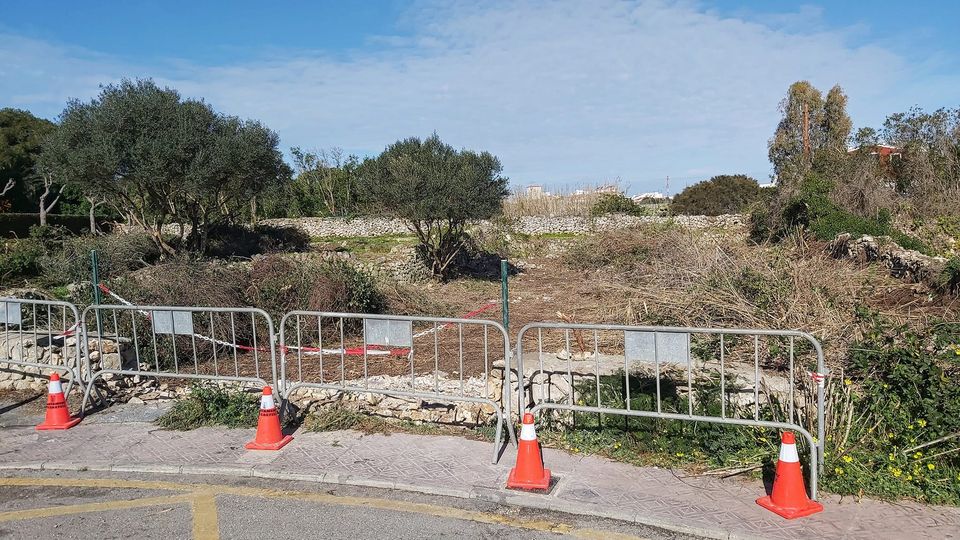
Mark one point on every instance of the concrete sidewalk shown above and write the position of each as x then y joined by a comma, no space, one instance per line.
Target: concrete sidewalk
459,467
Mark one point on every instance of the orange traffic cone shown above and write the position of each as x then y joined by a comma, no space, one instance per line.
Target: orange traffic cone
789,497
529,472
269,436
58,415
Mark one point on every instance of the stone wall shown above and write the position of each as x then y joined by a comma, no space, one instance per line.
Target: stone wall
374,226
56,351
901,263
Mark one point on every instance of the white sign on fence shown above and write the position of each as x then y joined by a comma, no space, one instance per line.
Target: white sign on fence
10,313
388,332
671,348
172,322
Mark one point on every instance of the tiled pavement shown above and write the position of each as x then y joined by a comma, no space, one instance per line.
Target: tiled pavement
461,467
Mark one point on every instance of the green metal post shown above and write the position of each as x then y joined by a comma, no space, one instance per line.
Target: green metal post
95,277
504,293
95,274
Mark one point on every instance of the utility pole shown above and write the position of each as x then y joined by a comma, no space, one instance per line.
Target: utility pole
667,187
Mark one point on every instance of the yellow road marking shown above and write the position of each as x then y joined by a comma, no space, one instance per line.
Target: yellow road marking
205,525
203,504
92,507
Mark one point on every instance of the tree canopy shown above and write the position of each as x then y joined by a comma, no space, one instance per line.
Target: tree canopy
436,190
159,159
21,136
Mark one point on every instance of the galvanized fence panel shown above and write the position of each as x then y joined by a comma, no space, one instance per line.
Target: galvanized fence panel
178,342
40,334
346,352
593,368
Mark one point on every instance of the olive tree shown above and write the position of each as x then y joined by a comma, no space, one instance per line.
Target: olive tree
159,159
437,190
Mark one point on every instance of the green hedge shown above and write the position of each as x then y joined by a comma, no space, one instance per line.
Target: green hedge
18,225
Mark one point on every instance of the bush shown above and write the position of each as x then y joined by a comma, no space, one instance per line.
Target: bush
185,283
19,259
117,255
722,194
210,405
616,203
279,284
814,209
228,241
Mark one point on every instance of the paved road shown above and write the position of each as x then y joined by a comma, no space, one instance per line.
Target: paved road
113,505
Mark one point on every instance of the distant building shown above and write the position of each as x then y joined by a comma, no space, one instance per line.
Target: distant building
535,190
651,196
609,188
885,153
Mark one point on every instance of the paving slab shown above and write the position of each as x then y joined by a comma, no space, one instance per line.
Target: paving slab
454,466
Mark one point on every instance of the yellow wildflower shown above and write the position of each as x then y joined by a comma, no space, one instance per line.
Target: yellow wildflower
889,435
931,466
896,472
839,471
679,454
918,455
847,459
892,457
909,477
922,423
910,426
885,385
847,382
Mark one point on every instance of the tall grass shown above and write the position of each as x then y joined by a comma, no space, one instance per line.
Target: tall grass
561,204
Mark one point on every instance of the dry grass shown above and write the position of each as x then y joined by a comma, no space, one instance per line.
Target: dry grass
698,278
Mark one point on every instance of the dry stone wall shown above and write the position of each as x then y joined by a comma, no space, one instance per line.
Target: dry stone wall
376,226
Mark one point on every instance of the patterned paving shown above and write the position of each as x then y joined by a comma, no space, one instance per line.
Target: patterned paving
450,464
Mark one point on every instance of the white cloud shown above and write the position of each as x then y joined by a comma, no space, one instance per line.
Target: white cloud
562,92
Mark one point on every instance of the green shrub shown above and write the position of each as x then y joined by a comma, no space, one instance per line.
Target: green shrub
210,405
814,209
902,387
724,194
19,259
616,203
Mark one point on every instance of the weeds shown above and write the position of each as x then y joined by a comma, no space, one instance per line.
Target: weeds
338,418
210,405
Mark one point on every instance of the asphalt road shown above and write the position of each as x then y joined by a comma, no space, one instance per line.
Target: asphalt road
110,505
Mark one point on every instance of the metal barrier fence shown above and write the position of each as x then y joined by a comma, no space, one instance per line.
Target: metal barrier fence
598,366
334,351
37,334
206,343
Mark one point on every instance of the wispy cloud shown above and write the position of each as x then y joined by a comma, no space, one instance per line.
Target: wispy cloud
562,92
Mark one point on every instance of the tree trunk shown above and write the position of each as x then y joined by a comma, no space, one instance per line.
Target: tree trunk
94,203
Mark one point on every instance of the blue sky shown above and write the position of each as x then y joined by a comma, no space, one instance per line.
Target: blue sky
567,93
